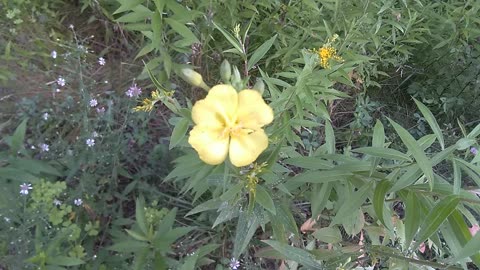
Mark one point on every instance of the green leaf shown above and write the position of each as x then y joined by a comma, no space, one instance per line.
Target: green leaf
18,137
127,5
179,132
381,152
246,227
427,114
329,235
312,163
379,199
412,145
208,205
167,222
457,177
230,38
140,214
329,138
465,143
264,199
474,133
138,14
260,52
128,246
295,254
437,215
353,203
64,261
321,176
460,229
471,248
138,236
319,198
181,29
34,166
412,217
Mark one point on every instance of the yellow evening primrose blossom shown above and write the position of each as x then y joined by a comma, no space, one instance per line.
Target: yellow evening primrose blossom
227,122
327,52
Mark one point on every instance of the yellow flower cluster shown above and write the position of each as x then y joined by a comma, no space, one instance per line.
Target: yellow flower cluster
230,123
327,52
148,103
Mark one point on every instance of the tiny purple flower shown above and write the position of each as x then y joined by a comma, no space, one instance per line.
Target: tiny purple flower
90,142
234,264
134,91
474,151
54,54
61,81
95,134
44,147
24,188
93,102
78,202
101,61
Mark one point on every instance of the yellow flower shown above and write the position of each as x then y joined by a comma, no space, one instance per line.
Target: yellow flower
149,103
227,122
327,52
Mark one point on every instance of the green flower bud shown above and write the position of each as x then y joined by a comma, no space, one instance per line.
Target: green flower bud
225,71
194,78
237,79
259,86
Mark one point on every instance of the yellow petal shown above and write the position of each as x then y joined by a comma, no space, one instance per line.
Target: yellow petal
218,108
253,112
245,148
210,144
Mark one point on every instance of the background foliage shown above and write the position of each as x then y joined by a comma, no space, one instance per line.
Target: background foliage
372,161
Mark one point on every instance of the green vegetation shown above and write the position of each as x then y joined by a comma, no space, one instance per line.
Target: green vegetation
115,134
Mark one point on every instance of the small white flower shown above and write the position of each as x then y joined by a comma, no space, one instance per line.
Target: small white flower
6,219
90,142
78,202
71,26
101,61
57,202
54,54
57,90
101,110
95,134
61,81
24,188
234,264
45,116
44,147
93,102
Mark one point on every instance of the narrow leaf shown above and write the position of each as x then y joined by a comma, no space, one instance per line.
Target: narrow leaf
379,198
412,145
438,214
178,133
412,217
385,153
329,235
295,254
264,199
432,122
260,52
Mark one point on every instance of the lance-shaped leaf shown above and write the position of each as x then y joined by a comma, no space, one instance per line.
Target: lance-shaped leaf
432,122
413,146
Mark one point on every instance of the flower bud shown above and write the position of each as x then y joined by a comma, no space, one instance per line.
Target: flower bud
194,78
225,71
259,86
237,79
